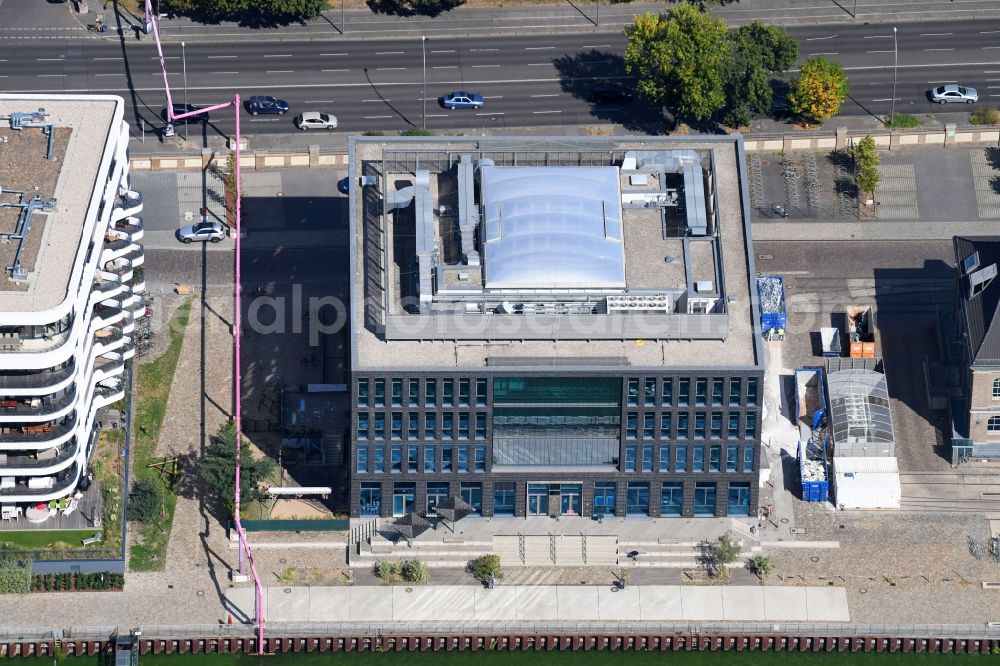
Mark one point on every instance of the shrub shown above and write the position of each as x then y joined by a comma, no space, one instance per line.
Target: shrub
145,502
413,130
987,116
866,158
15,576
902,121
485,567
415,571
387,570
761,565
721,552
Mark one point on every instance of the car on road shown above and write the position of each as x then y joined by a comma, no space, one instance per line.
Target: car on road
266,104
211,231
316,120
344,185
462,100
953,92
610,93
184,108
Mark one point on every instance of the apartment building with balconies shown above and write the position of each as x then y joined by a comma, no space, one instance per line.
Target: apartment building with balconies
70,241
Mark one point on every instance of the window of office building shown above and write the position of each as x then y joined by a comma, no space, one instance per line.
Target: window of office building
412,427
472,494
480,453
716,425
637,498
700,391
430,426
362,393
379,425
397,425
463,392
996,389
447,426
404,498
463,458
682,425
430,453
447,456
503,497
411,458
630,454
699,425
649,393
362,425
437,492
748,458
463,425
714,458
480,425
447,393
666,420
362,466
993,424
414,393
396,458
751,391
699,459
668,392
430,392
397,392
733,427
380,393
735,390
664,457
538,499
739,499
732,457
632,425
633,391
647,458
681,458
371,499
648,425
481,393
704,499
683,392
751,425
672,498
379,459
717,386
604,498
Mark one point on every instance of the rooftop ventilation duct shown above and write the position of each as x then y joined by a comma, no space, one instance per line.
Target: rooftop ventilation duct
468,213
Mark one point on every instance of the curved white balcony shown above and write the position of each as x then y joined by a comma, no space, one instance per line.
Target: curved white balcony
38,436
41,463
105,395
62,484
139,287
38,408
105,368
108,340
14,384
128,204
130,229
105,316
114,249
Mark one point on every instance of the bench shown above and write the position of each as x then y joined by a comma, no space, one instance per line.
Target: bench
94,539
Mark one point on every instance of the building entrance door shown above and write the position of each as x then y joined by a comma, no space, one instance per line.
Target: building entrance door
538,499
570,499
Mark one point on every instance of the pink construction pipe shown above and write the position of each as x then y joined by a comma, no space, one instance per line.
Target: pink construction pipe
244,548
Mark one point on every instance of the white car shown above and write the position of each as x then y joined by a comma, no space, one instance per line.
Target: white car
316,120
203,231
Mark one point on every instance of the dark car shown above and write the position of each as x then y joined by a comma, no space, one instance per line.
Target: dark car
344,185
610,93
267,104
462,100
184,108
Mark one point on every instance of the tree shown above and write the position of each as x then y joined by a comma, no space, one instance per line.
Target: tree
218,469
678,58
820,89
146,501
486,568
761,565
866,160
758,52
721,552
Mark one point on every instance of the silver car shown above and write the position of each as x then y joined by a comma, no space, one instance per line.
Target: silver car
203,231
317,120
953,92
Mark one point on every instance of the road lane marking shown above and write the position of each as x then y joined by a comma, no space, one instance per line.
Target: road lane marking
376,117
482,50
390,52
115,58
279,71
816,39
988,32
319,101
944,49
936,34
884,99
448,51
49,59
481,66
376,100
333,54
539,64
389,69
278,55
824,54
538,48
116,74
436,115
494,113
991,47
219,57
546,111
597,46
889,51
445,67
225,72
49,75
334,70
876,36
548,95
494,97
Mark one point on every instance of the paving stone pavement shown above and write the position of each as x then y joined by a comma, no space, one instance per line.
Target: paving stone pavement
987,181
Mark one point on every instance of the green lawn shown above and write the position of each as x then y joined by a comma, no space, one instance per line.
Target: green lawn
152,391
46,539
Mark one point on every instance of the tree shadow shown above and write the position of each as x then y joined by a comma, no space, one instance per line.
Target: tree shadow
428,8
579,73
254,19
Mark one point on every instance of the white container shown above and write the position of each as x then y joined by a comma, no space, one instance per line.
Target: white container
866,483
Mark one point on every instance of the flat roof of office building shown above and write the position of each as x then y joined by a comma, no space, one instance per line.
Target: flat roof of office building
563,199
51,250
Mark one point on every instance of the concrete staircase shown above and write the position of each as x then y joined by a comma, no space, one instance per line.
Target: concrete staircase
444,553
677,554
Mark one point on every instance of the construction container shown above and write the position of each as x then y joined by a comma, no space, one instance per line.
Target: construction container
830,341
814,475
861,331
810,418
866,483
771,293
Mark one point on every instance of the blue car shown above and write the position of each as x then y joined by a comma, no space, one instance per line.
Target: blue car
267,104
462,100
344,185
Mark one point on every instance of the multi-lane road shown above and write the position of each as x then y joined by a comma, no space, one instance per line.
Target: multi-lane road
526,80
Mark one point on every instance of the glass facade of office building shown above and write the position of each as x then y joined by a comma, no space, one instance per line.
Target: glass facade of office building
636,444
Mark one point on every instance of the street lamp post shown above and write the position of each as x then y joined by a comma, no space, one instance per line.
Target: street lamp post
343,21
423,90
185,67
895,66
854,14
